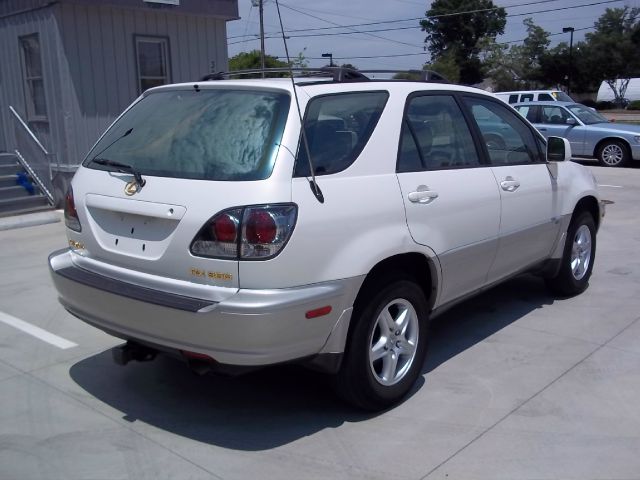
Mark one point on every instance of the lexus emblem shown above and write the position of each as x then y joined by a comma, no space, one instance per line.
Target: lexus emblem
131,187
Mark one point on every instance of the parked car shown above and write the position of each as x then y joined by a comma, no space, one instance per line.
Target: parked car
533,96
206,225
591,135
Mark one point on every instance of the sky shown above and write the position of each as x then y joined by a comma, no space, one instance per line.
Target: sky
401,44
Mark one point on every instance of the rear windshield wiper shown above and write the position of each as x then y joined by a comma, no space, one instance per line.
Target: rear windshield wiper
121,167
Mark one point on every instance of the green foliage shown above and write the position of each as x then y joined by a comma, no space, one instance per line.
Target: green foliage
459,37
517,67
251,61
613,48
635,105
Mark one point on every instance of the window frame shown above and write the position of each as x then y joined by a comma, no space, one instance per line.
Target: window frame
28,80
483,159
158,39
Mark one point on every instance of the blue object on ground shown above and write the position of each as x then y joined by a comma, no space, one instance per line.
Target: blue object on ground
23,180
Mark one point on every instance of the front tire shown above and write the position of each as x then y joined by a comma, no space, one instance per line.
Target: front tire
577,259
386,348
613,153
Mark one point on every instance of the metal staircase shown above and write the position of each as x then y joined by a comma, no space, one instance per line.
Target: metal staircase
19,191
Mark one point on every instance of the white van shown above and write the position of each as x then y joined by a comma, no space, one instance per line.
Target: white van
534,96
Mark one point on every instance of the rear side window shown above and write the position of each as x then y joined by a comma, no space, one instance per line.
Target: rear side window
513,98
211,134
337,128
526,97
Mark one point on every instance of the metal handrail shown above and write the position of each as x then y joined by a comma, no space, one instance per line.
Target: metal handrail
35,177
29,131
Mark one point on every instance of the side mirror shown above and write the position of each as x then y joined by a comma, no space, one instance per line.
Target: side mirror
571,121
558,149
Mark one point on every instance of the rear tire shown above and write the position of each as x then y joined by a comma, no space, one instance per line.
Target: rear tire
386,348
613,153
577,259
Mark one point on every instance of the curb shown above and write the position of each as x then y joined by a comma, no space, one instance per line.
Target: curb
30,220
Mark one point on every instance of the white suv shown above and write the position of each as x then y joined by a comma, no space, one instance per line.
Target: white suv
196,228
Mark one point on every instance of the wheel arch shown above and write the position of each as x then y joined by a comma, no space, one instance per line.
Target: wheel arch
414,265
588,204
601,142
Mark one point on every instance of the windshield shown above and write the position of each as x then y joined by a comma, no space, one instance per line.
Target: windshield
586,114
211,134
562,97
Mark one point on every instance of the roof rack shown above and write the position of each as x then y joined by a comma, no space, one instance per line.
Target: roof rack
337,74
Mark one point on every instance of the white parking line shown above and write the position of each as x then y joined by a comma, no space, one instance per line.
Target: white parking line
37,332
610,186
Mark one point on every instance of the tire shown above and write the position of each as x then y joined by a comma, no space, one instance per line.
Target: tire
577,259
398,338
613,153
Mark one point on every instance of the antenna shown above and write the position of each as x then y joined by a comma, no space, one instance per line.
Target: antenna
315,188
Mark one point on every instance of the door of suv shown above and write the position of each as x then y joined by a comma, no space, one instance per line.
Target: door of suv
529,193
451,200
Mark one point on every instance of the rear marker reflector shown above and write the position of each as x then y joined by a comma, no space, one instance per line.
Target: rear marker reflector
318,312
196,356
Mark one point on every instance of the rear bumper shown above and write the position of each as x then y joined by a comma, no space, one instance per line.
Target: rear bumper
249,328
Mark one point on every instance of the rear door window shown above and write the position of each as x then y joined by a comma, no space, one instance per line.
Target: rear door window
435,136
337,128
209,134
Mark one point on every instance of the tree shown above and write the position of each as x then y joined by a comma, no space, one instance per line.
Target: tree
457,35
251,61
516,67
613,48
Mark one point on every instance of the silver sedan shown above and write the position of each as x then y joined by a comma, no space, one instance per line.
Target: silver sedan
591,135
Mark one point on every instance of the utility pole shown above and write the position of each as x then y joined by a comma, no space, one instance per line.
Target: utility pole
259,4
566,30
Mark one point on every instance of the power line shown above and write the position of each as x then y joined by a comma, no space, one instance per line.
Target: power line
413,19
342,26
364,57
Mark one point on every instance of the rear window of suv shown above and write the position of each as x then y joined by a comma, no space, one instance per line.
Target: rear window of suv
210,134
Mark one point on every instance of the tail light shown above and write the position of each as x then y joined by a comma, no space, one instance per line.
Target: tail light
71,219
247,233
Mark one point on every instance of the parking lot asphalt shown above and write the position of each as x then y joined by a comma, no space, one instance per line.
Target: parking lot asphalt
517,385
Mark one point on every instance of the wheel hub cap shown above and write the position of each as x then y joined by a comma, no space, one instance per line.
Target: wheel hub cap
581,252
612,154
393,342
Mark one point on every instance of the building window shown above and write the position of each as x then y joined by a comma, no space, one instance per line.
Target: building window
36,104
152,57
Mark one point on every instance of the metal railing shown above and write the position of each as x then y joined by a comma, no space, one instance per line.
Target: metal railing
33,156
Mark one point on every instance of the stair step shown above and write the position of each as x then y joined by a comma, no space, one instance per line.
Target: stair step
9,205
8,181
16,191
25,211
11,168
8,159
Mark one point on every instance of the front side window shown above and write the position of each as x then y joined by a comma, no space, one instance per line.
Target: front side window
435,136
337,128
211,134
508,139
35,100
545,97
554,115
152,58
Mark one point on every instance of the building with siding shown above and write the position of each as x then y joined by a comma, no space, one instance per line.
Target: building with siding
69,67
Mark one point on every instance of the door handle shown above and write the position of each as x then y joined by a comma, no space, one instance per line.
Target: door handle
422,195
509,184
542,129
